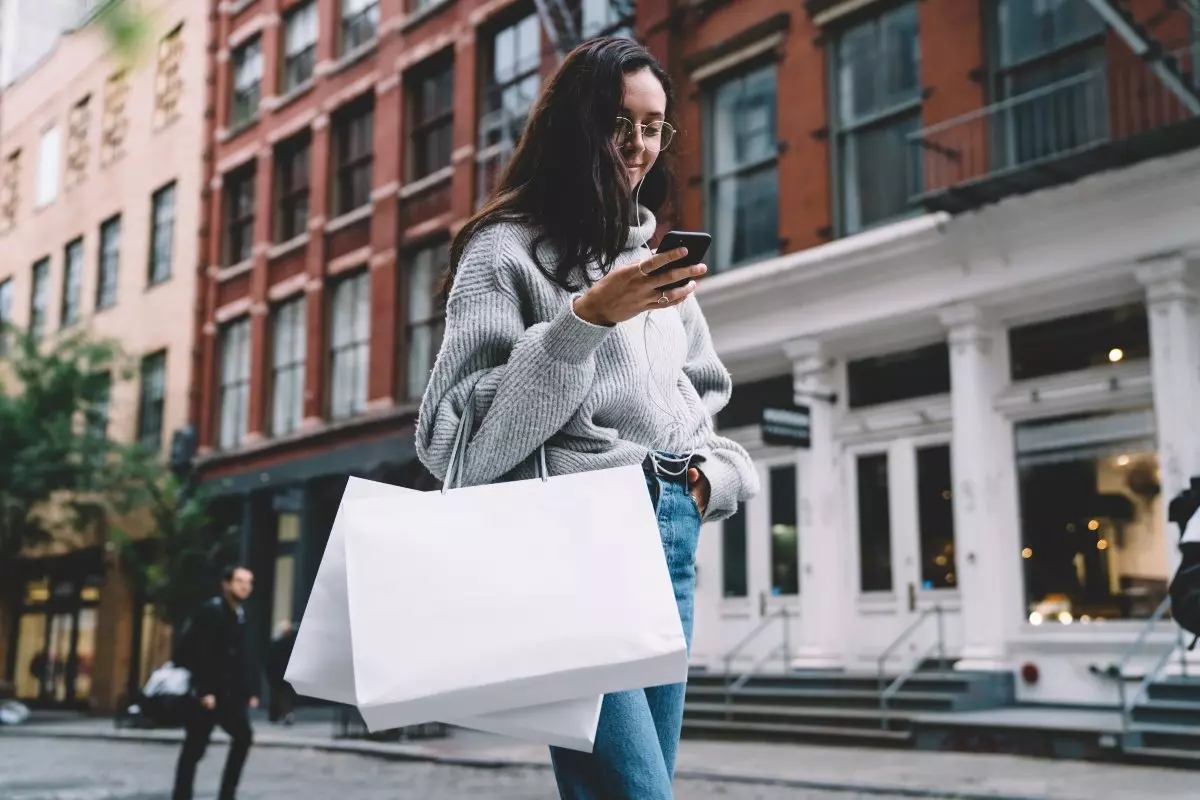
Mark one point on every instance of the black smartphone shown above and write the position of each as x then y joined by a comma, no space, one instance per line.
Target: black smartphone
697,245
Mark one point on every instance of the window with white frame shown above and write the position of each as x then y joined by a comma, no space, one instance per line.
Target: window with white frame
299,46
1094,544
72,283
426,315
878,104
287,366
360,23
162,233
233,399
785,545
110,259
49,156
247,82
735,579
350,341
743,174
607,18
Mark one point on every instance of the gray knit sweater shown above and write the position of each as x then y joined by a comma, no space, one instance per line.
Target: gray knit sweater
597,396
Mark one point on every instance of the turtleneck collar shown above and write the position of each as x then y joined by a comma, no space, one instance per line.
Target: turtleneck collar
641,233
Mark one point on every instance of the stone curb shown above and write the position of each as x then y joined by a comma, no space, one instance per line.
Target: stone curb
419,753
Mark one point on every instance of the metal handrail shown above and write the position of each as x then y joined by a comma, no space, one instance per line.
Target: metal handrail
1117,671
886,690
780,613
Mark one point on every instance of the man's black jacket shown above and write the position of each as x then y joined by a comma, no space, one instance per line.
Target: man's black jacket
1184,510
213,648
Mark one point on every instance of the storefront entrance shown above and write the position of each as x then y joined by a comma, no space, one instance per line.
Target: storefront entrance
55,636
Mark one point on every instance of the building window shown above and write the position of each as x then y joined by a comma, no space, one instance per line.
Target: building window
874,524
432,109
903,375
287,366
1093,538
878,97
350,344
77,143
299,46
426,315
49,155
354,153
511,86
239,214
110,259
360,23
234,390
162,233
97,415
606,18
115,124
6,320
785,547
151,401
935,515
247,82
292,176
10,192
168,80
743,175
72,282
1057,48
734,574
1069,344
39,298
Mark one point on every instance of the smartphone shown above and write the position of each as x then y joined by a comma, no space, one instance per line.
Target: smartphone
697,245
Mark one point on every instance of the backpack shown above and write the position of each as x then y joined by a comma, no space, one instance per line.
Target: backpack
1185,586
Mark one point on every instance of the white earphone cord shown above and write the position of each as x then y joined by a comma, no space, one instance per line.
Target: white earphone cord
663,408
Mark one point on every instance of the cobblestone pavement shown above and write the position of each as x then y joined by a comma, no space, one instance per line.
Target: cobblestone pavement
81,769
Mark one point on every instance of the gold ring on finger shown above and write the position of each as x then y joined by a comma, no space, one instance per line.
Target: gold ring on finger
663,300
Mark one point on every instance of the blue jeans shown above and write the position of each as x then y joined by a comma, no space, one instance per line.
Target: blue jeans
638,734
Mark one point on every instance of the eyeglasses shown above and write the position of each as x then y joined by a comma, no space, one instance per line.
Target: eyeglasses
655,135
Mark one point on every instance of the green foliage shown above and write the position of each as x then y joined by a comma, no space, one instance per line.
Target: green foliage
175,565
48,446
126,27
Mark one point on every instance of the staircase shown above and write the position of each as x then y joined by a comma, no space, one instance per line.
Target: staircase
1165,725
1144,45
835,707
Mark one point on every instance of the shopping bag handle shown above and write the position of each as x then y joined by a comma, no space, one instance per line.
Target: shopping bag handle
458,455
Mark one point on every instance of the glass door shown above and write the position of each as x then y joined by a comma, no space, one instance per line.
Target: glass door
903,516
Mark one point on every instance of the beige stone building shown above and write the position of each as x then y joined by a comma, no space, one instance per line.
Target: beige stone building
100,169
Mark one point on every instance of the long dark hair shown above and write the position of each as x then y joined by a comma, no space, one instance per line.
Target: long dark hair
566,175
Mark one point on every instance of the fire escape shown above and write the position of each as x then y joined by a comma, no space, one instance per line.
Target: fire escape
566,23
1139,104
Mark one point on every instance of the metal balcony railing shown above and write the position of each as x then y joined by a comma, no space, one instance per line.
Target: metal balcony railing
1099,119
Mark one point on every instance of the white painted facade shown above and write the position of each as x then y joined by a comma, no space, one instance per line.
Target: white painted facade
1113,238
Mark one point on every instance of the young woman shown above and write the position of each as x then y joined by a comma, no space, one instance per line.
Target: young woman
558,334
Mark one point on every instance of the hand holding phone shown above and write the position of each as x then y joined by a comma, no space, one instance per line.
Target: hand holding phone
697,245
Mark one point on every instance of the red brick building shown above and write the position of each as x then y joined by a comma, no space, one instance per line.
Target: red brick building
349,139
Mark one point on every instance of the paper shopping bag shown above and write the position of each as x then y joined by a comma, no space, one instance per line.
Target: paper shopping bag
491,598
321,664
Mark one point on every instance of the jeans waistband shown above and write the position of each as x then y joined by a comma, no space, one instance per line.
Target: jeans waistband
669,467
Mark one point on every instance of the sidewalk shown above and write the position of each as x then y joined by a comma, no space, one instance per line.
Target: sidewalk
866,771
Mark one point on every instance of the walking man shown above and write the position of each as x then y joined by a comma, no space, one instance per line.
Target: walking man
213,648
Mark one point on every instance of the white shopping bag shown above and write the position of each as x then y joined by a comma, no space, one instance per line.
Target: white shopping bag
321,665
506,596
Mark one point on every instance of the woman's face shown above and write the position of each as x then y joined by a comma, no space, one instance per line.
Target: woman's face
644,103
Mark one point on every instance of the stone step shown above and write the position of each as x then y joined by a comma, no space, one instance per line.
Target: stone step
827,698
784,732
790,715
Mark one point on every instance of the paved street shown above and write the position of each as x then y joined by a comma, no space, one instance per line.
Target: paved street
81,769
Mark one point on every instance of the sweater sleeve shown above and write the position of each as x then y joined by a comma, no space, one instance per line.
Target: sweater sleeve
524,383
730,472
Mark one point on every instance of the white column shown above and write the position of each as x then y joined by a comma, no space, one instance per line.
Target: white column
986,530
826,593
1173,305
